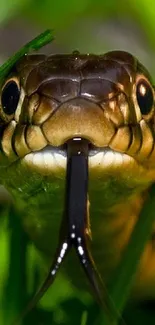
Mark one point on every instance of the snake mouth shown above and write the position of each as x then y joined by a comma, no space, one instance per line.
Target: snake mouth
50,155
93,150
62,150
52,160
96,155
103,162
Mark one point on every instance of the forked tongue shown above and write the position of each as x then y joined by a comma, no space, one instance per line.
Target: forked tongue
75,227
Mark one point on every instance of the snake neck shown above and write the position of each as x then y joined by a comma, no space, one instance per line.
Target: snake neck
112,230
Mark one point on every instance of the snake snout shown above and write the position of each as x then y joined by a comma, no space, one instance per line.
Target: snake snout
78,117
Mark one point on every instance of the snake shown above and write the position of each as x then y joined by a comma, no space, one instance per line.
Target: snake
107,100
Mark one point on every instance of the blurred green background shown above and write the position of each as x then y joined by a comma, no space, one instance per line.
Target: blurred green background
88,26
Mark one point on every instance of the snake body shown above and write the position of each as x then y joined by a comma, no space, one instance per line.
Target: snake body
110,101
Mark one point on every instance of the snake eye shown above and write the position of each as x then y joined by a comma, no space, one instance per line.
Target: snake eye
10,97
145,97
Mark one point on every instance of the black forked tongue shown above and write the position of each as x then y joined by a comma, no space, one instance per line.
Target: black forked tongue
75,227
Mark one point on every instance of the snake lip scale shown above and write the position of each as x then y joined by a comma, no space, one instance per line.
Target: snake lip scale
62,150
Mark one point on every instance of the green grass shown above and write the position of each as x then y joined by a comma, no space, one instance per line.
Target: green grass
34,45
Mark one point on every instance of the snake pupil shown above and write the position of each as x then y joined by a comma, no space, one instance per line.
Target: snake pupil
144,97
10,97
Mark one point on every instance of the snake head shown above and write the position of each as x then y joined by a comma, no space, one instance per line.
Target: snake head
45,101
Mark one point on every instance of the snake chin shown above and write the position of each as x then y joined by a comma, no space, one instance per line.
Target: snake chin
52,157
105,165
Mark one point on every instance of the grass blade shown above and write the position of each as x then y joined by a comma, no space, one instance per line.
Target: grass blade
34,45
15,294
